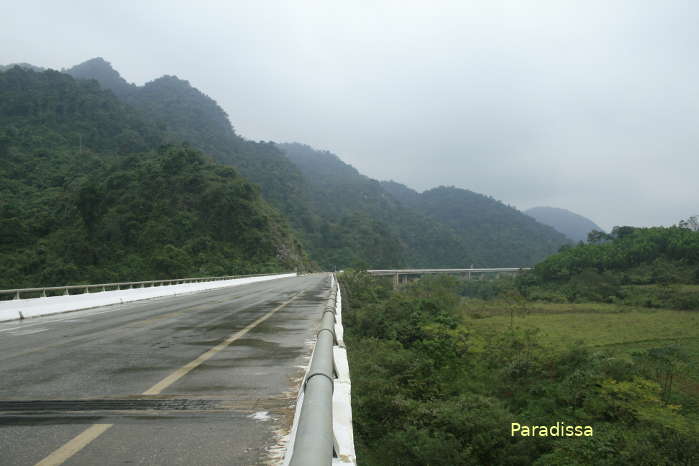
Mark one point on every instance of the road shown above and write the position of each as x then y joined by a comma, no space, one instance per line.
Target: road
203,379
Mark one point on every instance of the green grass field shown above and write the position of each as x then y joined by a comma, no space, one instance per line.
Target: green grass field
619,329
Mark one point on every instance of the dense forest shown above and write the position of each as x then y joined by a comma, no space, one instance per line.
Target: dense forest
91,191
442,367
369,228
187,115
447,227
651,267
493,233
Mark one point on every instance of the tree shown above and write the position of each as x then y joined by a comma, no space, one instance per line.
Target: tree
692,223
597,237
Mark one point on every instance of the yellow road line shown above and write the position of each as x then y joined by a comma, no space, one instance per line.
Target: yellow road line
182,371
79,442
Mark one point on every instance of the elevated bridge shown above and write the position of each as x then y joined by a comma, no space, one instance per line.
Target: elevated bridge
402,275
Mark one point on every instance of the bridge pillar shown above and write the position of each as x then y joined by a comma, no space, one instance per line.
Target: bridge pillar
395,281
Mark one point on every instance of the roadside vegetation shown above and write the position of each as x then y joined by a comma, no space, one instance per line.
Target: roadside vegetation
592,336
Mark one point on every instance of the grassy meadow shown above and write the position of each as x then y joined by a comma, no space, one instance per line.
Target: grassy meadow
616,329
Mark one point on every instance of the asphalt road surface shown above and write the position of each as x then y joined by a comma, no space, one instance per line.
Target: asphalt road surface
204,379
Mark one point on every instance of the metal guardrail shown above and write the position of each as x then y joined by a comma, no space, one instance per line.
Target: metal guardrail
120,286
314,442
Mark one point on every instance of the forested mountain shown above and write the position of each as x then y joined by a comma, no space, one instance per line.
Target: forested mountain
354,238
574,226
186,114
89,192
492,232
26,66
341,217
345,199
100,70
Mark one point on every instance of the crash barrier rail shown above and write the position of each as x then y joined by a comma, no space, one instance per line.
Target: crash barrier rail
313,444
56,290
320,439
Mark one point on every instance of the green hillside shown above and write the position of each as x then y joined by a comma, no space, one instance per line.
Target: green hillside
185,114
493,234
650,267
338,192
88,192
343,218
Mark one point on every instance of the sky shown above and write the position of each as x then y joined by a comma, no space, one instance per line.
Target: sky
592,106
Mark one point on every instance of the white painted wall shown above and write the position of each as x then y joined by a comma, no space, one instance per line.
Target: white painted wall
34,307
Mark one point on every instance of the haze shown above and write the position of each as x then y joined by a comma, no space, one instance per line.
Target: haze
586,105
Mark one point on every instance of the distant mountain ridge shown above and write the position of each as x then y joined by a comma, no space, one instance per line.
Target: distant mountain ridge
447,227
501,234
574,226
26,66
343,217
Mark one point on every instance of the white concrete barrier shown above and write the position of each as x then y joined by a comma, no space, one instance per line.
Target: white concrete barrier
23,308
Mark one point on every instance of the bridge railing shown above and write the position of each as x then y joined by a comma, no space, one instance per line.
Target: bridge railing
17,293
323,428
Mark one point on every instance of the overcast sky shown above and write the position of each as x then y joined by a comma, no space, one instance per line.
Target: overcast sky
587,105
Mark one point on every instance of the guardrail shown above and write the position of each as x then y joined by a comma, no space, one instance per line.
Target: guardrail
313,444
118,286
323,427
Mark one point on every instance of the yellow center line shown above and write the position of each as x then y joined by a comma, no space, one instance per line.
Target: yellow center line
63,453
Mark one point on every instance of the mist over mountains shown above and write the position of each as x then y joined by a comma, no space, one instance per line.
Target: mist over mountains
574,226
312,199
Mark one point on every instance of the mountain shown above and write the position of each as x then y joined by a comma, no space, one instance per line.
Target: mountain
101,70
341,217
349,203
443,227
90,191
26,66
186,114
574,226
493,233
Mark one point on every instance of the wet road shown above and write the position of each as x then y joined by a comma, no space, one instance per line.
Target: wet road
203,379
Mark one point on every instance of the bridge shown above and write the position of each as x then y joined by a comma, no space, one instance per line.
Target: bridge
402,275
227,370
